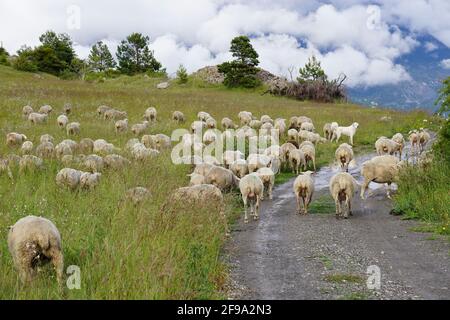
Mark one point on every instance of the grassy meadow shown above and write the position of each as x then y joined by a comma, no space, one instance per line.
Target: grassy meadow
147,252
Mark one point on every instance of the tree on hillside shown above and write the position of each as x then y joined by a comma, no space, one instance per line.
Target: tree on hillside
182,75
134,55
61,44
312,71
242,71
25,60
4,56
100,59
444,97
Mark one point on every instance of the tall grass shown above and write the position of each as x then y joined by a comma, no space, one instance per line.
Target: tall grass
146,252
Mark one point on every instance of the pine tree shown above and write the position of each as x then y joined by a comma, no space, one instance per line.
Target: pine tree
312,71
100,59
134,55
182,75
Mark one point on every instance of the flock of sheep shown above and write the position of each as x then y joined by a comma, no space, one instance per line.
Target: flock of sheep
34,239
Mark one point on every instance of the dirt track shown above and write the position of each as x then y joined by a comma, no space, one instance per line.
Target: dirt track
288,256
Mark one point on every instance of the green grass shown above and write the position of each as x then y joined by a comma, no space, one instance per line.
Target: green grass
344,278
149,252
322,205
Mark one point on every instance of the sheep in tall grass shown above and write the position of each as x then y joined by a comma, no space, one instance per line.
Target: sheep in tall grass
137,195
27,147
140,152
196,179
310,155
86,146
45,150
93,163
211,123
222,178
140,128
211,136
293,123
258,161
280,125
73,129
252,189
62,121
121,126
302,119
255,124
163,142
45,109
198,126
227,123
202,116
102,110
71,160
30,163
229,156
266,127
46,138
179,117
380,169
267,177
90,181
67,108
385,145
33,241
150,114
424,138
304,190
342,189
26,111
293,135
296,160
328,131
37,118
203,195
203,168
398,137
266,119
102,147
4,167
349,131
116,162
344,155
308,126
68,178
62,149
14,139
239,168
114,115
245,117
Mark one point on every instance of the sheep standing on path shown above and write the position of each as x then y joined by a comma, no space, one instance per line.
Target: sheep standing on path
297,160
32,241
424,137
344,154
310,155
342,189
304,190
398,137
267,177
380,169
414,141
252,189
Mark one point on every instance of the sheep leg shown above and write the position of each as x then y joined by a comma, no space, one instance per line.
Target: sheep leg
350,208
347,207
314,163
389,191
244,198
270,191
364,186
336,202
58,264
298,203
258,200
351,139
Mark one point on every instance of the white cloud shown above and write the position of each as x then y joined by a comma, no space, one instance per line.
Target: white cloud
347,35
430,46
445,64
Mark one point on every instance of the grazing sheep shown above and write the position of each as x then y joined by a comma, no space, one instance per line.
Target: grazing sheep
178,116
252,189
197,126
89,180
211,123
37,118
33,241
344,154
211,136
310,155
45,150
267,127
46,138
342,189
280,125
203,195
4,167
255,124
93,163
73,129
115,162
293,134
267,177
304,190
141,153
296,160
62,149
114,115
202,116
102,110
230,156
67,109
245,117
239,168
121,126
308,126
398,137
222,178
203,168
196,179
424,137
285,149
301,120
150,114
315,138
26,111
68,178
62,121
346,131
45,109
386,146
414,140
227,123
86,146
273,151
293,123
140,128
70,160
327,131
103,148
266,119
72,144
258,161
14,139
13,160
137,195
380,169
27,147
30,162
158,141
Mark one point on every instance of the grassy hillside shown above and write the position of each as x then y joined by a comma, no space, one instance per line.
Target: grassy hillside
127,252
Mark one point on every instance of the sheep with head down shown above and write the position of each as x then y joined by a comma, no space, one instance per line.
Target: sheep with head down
267,177
102,110
121,126
344,155
26,111
203,195
73,128
37,118
45,109
86,146
304,190
398,137
116,162
239,167
342,189
137,195
33,241
178,117
14,139
296,160
222,178
30,163
140,128
93,163
102,147
196,179
202,116
252,190
227,123
68,178
89,180
46,138
27,147
62,121
310,155
150,114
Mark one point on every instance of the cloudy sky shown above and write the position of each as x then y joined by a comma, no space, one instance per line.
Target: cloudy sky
362,39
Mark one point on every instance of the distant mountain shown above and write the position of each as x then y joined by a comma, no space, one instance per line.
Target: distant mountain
421,92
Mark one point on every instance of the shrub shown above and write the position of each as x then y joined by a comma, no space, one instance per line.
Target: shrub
182,75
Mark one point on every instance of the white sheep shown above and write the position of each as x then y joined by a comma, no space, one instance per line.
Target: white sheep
30,162
67,109
239,168
380,169
255,124
266,119
14,139
304,190
267,177
230,156
385,145
46,138
115,115
296,160
197,126
178,116
102,147
301,120
37,118
293,123
62,149
308,126
344,155
150,114
121,126
280,125
93,163
26,111
62,121
140,128
27,147
203,168
196,179
45,109
102,109
202,116
222,178
293,135
33,241
414,140
342,189
141,153
89,180
258,161
211,123
115,161
86,146
349,131
398,137
45,150
245,117
227,123
68,178
285,149
252,189
310,155
73,129
203,195
275,165
137,195
424,138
